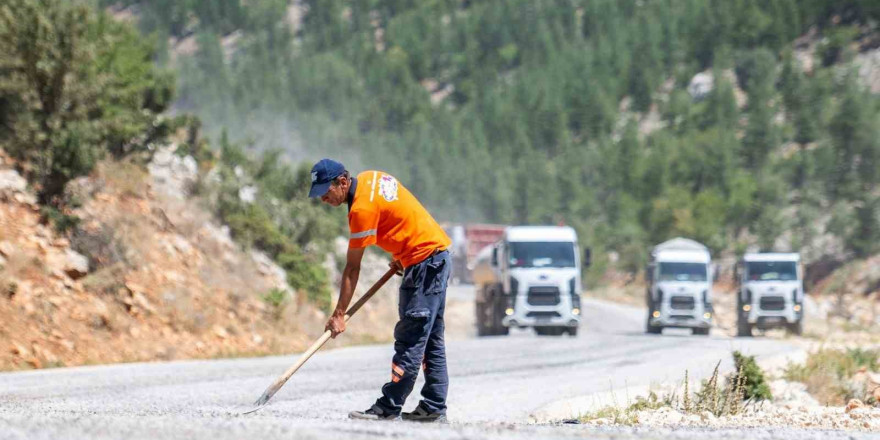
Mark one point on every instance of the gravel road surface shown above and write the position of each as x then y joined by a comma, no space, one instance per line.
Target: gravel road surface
497,384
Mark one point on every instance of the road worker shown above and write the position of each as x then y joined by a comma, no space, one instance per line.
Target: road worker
382,212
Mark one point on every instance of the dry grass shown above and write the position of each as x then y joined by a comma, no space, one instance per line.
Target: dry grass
21,265
827,374
720,398
127,178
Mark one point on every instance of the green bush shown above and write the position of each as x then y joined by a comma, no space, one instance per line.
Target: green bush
747,370
60,220
75,85
281,221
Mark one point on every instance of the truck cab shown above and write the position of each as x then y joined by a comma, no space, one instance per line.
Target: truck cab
770,294
679,293
531,277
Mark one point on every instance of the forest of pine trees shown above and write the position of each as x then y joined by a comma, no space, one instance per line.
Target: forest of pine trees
539,120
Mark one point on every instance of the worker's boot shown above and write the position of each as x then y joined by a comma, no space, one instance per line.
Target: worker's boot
374,413
420,414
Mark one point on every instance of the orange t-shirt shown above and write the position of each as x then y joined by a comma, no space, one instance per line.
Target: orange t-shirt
385,213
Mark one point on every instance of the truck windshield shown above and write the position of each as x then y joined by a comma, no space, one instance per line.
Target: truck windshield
772,271
682,272
541,254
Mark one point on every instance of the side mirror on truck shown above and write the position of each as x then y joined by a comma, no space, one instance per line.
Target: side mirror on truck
495,257
588,257
649,273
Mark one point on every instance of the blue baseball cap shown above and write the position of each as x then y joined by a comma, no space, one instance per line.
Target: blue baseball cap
323,174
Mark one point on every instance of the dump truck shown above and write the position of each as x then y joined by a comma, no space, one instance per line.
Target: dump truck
467,240
531,277
679,293
770,293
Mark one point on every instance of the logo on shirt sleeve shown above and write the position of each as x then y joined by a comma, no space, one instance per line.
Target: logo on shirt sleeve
388,188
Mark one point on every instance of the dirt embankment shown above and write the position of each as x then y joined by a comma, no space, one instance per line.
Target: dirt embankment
144,276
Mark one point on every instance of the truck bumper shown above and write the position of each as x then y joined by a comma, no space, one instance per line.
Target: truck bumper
543,319
765,319
681,322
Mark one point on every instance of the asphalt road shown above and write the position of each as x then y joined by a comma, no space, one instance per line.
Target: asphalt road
497,384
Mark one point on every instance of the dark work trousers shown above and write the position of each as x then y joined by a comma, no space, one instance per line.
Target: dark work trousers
418,337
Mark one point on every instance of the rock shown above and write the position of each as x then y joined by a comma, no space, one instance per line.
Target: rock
11,182
141,301
181,244
853,404
19,349
173,175
82,188
707,416
218,234
275,273
76,265
6,248
792,395
25,198
220,332
247,194
700,85
858,413
869,69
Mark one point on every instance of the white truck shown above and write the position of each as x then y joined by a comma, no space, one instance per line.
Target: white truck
531,277
771,293
679,290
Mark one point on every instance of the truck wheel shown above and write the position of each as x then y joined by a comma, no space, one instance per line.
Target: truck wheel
701,331
497,327
743,329
797,328
482,328
572,331
652,329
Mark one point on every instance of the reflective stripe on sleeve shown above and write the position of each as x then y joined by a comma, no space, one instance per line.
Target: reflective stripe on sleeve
363,234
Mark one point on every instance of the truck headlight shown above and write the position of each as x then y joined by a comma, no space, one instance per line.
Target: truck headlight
575,311
656,314
797,307
508,312
747,307
707,315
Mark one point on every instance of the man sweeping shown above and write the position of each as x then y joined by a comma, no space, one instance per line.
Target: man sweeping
382,212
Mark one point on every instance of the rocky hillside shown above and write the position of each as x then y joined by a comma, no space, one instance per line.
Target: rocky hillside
145,274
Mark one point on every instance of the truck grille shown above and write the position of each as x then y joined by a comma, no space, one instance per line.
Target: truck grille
772,303
543,296
540,315
681,303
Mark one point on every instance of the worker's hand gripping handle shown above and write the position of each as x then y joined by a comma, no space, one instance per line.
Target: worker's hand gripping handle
322,340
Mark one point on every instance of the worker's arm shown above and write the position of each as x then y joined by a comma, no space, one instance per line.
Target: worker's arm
350,274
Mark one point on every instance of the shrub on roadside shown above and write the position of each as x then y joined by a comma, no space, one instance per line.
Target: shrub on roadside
720,398
827,373
754,385
278,219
